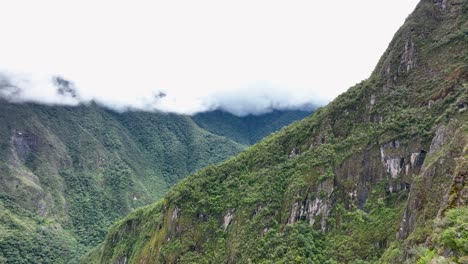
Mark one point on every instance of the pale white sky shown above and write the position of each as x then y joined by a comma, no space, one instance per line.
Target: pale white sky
245,56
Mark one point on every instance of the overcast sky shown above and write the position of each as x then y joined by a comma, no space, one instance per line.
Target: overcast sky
243,56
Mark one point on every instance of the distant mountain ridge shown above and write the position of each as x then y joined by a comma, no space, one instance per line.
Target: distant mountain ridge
67,173
249,129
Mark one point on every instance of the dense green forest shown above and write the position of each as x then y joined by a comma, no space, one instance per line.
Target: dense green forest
68,173
247,129
376,176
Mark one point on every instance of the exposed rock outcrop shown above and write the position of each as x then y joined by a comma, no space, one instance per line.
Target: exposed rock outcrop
228,218
294,152
313,208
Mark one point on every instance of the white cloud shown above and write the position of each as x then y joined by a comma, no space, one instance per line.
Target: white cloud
21,87
243,56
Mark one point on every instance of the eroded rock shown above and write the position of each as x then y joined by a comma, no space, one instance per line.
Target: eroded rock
175,214
228,218
439,139
121,260
294,152
393,166
442,4
408,58
397,160
312,207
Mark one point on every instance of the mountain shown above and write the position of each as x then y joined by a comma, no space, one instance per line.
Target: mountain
377,176
68,173
249,129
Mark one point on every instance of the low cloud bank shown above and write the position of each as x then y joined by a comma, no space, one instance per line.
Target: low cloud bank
56,90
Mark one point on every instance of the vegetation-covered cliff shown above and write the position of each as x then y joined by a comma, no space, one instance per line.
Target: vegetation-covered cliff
68,173
377,176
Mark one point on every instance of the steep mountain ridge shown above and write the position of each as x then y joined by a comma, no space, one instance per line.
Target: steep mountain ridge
68,173
376,176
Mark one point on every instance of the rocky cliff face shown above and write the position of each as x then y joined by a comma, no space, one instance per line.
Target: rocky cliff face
378,175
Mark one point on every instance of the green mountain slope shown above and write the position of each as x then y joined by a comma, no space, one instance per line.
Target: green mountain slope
68,173
377,176
249,129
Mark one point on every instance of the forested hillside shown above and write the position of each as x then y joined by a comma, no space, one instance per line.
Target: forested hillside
68,173
376,176
247,129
